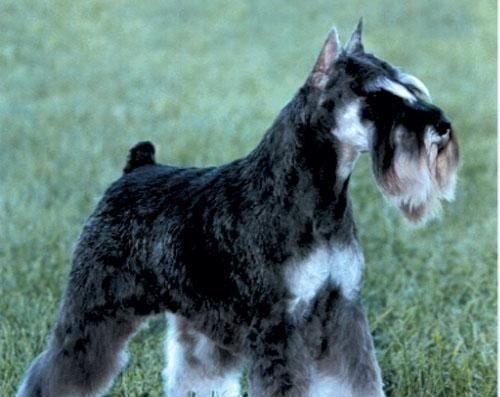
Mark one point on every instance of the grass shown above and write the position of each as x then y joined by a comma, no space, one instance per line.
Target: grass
82,81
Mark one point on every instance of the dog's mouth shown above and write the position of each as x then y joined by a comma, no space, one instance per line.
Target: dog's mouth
417,173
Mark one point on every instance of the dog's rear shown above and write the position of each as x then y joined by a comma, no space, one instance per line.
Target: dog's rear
87,345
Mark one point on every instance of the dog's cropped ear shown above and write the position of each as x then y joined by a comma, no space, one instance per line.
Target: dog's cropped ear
354,44
327,57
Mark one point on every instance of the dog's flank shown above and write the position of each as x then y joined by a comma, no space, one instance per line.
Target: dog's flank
257,261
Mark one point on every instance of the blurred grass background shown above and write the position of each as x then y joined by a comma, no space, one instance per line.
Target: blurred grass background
82,81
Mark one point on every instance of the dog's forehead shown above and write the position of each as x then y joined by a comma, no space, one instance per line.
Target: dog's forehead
368,66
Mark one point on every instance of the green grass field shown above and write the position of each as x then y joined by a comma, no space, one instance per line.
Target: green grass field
82,81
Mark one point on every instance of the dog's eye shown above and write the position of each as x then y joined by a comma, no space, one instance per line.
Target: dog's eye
328,104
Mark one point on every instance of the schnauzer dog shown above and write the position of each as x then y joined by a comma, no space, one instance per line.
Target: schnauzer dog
257,261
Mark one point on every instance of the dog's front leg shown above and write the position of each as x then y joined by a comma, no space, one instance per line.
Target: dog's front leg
280,366
195,364
345,364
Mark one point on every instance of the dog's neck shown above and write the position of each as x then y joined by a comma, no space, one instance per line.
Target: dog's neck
302,165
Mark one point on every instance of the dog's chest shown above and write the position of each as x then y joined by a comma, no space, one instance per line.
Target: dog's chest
342,266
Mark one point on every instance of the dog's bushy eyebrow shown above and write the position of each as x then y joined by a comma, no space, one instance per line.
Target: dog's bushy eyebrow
415,85
394,87
372,66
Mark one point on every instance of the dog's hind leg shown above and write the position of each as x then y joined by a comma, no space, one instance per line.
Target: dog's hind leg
196,365
87,346
81,359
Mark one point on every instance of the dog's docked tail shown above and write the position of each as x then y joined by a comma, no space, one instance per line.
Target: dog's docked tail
143,153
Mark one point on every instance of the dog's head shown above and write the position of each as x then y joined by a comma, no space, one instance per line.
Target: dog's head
371,106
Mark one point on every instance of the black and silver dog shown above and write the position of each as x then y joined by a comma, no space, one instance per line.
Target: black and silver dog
257,261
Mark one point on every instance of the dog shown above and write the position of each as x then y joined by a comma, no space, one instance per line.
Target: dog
256,262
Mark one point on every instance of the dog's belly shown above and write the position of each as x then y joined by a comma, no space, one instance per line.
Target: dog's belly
339,265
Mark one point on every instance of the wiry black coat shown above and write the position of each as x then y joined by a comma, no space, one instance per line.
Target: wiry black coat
209,243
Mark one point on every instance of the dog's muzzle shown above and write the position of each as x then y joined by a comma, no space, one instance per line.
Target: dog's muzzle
420,174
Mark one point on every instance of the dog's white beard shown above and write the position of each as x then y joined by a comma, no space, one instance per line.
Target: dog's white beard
416,184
